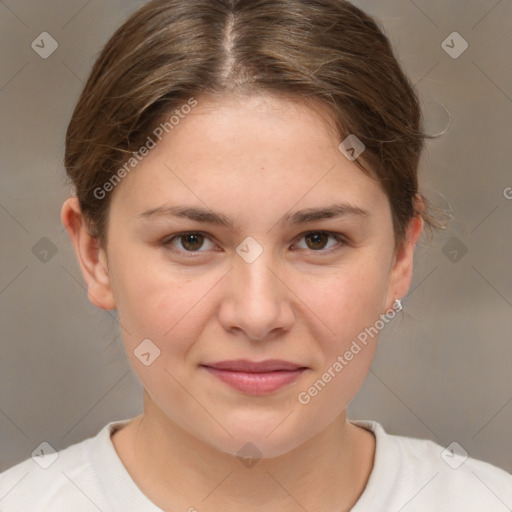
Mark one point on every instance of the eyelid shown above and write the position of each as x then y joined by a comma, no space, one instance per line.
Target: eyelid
341,239
169,239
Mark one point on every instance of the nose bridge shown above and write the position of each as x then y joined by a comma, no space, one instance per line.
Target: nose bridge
257,283
258,297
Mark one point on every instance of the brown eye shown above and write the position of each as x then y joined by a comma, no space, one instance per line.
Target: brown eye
192,241
188,242
318,240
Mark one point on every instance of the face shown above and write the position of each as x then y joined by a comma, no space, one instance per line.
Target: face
268,283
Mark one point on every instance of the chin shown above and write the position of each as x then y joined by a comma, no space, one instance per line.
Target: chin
266,440
257,446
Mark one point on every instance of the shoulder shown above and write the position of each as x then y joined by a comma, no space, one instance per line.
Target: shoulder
53,480
45,479
421,475
453,471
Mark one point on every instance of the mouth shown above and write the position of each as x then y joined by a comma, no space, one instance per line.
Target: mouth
256,378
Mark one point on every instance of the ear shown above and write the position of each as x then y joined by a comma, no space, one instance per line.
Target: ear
401,273
91,256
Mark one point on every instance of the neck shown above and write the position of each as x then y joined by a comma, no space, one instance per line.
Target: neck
176,470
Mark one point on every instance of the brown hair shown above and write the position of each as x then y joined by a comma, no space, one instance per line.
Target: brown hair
324,52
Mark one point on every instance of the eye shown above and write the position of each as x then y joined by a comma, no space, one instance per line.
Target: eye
317,241
190,242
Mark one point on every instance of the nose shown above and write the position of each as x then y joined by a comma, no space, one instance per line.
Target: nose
257,300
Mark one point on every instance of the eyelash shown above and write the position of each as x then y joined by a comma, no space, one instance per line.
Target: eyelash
167,241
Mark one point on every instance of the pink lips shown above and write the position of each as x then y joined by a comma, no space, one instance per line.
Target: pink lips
255,378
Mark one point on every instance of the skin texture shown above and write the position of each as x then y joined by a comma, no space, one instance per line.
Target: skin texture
253,160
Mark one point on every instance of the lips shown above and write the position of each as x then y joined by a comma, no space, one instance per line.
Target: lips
244,365
256,378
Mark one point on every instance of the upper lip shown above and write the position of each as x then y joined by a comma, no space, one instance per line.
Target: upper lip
244,365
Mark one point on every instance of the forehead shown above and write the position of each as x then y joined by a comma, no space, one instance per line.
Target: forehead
254,150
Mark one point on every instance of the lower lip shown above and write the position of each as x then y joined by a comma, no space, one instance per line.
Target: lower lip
256,383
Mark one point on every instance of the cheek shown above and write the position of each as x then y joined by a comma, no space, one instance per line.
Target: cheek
170,314
158,302
347,299
350,305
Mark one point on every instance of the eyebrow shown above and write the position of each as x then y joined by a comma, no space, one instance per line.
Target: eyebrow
198,214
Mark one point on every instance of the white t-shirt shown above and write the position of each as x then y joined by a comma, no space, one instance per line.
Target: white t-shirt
408,475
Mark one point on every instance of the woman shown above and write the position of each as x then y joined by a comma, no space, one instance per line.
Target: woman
247,200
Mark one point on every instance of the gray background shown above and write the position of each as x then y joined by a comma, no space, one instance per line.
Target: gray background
442,370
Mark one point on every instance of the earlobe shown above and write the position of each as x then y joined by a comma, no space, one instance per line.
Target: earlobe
91,256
